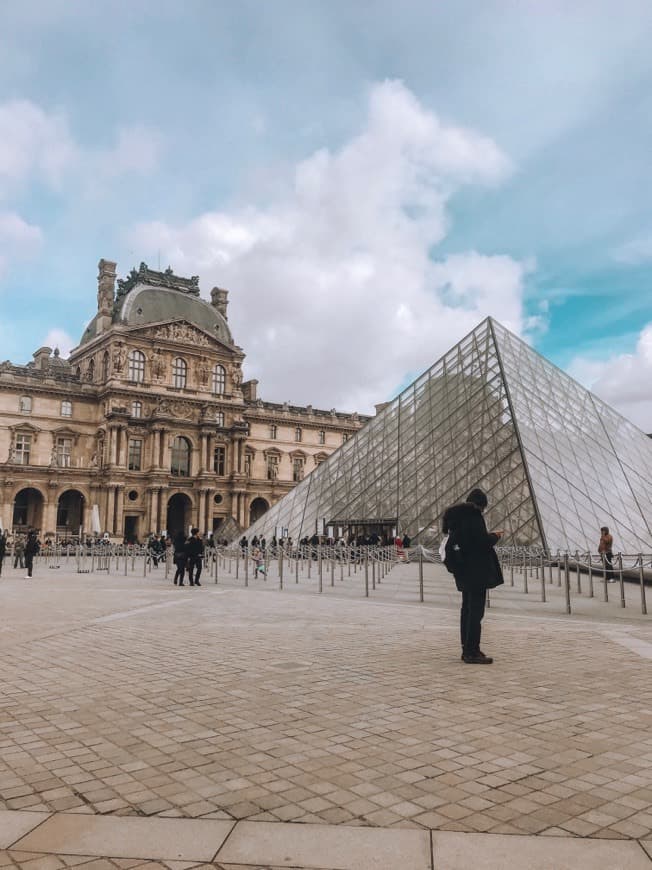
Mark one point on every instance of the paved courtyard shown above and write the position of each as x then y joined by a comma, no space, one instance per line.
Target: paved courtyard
127,702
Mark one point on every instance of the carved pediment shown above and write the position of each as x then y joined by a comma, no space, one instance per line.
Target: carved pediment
178,409
180,332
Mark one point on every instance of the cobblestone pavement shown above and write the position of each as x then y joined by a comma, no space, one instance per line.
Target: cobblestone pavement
129,696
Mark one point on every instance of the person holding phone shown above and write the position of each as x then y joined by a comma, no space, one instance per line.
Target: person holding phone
476,568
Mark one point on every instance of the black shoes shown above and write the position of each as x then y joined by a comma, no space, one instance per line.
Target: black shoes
197,583
478,658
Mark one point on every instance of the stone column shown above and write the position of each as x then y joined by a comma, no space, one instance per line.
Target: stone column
120,504
49,512
110,510
122,447
154,497
113,446
203,452
201,512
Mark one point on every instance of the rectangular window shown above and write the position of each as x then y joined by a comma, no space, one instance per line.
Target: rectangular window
66,409
22,449
345,437
322,436
272,467
219,461
25,405
273,432
297,470
64,452
135,454
298,434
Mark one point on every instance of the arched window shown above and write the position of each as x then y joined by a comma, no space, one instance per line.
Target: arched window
25,404
66,408
105,366
298,434
136,409
219,418
136,366
90,371
219,379
180,466
179,373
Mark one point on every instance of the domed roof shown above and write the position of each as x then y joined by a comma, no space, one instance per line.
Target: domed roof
159,297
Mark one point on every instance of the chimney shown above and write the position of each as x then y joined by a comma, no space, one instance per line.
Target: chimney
42,358
220,300
105,294
250,390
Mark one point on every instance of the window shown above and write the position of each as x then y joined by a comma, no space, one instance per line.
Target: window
219,461
297,469
219,418
298,434
273,432
105,366
322,436
345,437
272,467
90,371
179,373
135,458
219,380
136,366
64,451
22,448
25,404
248,463
180,466
136,409
66,408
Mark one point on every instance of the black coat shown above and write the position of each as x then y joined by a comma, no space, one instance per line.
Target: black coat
194,548
479,567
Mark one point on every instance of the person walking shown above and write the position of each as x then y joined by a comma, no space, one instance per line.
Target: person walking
3,549
32,546
606,551
471,558
19,551
195,552
180,558
259,561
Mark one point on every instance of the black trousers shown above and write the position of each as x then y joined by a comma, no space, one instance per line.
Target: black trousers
194,563
180,562
29,563
473,604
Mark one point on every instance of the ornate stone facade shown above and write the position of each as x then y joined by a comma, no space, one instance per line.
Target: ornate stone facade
148,426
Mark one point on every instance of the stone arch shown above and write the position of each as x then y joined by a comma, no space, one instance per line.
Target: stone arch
180,508
28,509
71,507
257,508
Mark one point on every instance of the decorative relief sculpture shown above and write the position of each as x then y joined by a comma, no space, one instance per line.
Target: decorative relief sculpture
158,365
237,378
183,333
172,408
119,358
203,371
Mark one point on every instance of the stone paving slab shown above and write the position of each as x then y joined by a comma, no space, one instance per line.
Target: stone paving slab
453,851
274,706
318,846
15,824
126,837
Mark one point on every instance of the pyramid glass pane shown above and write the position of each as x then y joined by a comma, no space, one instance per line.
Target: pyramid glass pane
556,462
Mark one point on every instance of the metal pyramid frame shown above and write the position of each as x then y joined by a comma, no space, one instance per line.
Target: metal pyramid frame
556,462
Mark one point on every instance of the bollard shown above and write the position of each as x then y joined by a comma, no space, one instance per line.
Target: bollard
605,593
543,580
296,569
590,576
280,568
511,570
332,570
320,565
622,582
525,586
578,572
641,577
373,573
216,567
567,583
420,573
558,568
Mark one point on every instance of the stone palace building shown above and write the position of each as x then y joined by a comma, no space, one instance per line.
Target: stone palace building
148,425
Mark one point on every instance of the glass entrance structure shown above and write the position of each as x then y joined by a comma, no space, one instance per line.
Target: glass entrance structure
557,462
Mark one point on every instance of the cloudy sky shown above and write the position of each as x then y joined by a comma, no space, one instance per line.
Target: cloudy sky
368,185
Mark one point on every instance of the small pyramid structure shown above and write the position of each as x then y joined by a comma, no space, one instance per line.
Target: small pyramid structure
556,462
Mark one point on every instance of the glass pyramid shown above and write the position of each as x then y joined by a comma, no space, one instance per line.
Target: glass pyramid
556,462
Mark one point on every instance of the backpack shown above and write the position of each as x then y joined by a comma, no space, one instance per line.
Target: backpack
453,558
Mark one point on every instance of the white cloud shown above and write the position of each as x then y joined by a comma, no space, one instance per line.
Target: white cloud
59,338
33,143
622,380
137,150
334,292
638,250
17,238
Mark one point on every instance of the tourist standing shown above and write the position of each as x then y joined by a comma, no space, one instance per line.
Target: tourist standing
180,558
3,549
259,561
195,553
32,546
19,551
475,566
606,550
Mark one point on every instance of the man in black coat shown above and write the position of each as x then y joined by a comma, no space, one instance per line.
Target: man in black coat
475,566
195,553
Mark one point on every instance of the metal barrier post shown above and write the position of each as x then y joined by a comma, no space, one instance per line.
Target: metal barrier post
525,586
543,580
320,565
280,567
641,577
590,576
296,569
511,570
622,582
578,572
605,594
567,584
420,573
366,574
332,568
373,572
